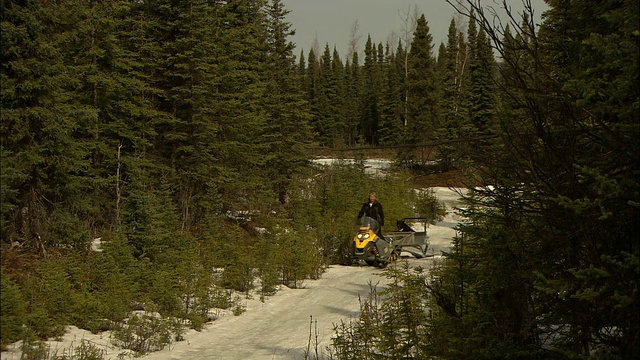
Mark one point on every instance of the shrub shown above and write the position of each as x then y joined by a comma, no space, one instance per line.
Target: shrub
428,206
12,311
33,348
42,325
86,351
238,306
144,333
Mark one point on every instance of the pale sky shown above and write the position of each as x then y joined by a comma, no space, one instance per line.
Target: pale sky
331,21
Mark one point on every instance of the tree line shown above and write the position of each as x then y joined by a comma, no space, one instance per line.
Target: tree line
404,93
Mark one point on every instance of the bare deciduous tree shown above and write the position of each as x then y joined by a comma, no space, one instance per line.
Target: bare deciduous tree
354,39
409,23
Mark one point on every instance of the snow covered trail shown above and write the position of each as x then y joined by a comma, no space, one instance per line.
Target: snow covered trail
279,328
441,234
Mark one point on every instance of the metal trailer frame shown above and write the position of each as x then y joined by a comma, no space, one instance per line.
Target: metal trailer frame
409,240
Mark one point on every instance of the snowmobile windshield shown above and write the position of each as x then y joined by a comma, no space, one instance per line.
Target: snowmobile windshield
370,222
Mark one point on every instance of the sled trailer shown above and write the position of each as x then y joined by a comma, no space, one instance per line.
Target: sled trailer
409,240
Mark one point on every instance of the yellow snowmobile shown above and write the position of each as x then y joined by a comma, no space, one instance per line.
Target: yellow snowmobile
370,247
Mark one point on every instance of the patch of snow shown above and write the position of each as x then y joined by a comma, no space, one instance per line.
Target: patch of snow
96,245
372,166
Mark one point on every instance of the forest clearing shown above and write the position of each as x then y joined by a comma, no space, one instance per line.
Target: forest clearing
184,138
291,324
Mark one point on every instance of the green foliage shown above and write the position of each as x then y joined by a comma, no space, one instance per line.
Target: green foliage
359,338
428,206
147,332
328,204
288,135
49,291
544,264
453,67
405,305
238,307
422,86
392,97
370,94
8,193
233,254
300,257
85,351
180,134
482,289
33,348
393,323
38,122
12,310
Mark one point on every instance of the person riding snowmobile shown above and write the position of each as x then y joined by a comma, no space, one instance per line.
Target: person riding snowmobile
373,209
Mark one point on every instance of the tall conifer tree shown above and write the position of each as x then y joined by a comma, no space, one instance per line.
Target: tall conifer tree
370,116
240,86
289,131
391,124
39,121
422,97
325,110
453,106
352,98
559,247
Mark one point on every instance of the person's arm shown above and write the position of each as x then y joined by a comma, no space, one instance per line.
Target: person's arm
381,213
362,210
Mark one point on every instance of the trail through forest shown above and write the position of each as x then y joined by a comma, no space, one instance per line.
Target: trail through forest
287,325
280,327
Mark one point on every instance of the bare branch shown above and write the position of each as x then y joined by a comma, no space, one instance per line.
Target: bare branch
354,39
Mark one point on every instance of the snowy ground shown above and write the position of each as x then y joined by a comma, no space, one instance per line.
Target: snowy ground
280,327
442,232
372,166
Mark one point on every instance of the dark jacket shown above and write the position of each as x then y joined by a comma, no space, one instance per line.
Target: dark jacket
373,211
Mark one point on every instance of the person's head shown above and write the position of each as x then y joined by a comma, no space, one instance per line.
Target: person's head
372,197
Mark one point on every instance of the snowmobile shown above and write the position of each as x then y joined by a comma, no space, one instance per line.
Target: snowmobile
370,247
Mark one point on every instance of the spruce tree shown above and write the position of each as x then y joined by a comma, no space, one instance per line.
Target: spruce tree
480,92
391,116
592,57
107,67
339,100
422,99
313,90
324,110
559,248
369,100
352,99
453,107
289,132
481,88
39,120
241,119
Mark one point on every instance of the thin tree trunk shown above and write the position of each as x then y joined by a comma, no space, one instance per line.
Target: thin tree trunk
118,192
